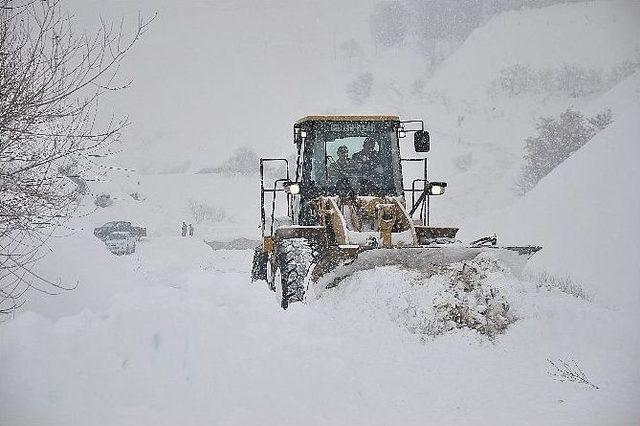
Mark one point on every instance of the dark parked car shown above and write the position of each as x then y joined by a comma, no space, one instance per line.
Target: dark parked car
121,243
119,226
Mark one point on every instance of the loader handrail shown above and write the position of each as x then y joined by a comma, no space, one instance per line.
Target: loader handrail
275,190
424,196
273,203
415,204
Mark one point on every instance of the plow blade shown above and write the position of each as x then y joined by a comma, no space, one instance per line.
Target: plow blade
342,261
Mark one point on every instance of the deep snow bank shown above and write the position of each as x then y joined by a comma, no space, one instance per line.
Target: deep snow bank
585,214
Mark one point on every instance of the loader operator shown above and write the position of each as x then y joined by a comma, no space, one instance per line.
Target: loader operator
340,166
367,163
366,159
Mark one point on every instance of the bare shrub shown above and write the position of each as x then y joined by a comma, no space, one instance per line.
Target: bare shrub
244,161
557,139
359,89
576,81
570,80
564,284
623,70
565,372
137,196
388,23
601,120
351,51
515,80
203,212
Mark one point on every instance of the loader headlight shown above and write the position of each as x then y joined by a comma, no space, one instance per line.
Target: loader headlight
437,188
292,188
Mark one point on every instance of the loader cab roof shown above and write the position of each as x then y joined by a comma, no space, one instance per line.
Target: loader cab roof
348,118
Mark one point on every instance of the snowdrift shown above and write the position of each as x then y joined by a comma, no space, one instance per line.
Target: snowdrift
585,215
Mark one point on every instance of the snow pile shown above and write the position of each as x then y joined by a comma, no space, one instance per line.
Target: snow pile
471,302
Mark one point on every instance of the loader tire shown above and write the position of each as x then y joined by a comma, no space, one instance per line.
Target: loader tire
293,258
259,265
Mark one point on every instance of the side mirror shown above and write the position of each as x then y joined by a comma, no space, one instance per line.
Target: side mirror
437,188
421,141
292,188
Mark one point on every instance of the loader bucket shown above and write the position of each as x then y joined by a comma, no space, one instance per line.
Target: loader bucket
342,261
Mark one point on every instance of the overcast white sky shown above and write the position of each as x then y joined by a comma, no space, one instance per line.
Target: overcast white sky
209,76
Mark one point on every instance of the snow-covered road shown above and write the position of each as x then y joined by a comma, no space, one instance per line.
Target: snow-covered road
177,335
189,340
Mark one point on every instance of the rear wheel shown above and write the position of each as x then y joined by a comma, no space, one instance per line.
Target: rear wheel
293,259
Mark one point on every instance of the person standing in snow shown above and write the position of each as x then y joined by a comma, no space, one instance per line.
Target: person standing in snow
184,229
190,230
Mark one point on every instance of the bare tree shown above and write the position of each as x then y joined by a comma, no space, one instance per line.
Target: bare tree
51,79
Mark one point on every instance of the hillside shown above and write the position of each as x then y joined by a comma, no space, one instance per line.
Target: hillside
176,333
554,57
585,213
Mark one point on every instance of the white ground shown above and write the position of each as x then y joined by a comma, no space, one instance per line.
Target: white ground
176,333
181,336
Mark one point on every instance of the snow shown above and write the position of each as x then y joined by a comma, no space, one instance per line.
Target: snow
542,38
177,334
585,215
205,346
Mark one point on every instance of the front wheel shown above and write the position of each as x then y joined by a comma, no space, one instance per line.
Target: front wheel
293,259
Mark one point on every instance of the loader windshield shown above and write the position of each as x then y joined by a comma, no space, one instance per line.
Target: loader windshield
361,158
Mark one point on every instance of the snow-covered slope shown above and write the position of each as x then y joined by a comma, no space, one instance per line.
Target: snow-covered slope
176,333
585,213
547,38
478,132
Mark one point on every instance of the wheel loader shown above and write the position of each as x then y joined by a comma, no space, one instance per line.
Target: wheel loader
344,206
